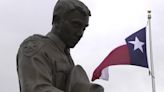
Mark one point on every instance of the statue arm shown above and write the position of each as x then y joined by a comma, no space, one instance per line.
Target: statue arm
35,74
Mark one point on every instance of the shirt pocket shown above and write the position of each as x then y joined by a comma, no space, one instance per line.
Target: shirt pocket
61,67
61,74
60,80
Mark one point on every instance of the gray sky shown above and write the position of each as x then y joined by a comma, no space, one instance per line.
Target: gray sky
111,22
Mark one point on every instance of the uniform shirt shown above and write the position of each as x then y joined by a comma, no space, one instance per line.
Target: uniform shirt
43,64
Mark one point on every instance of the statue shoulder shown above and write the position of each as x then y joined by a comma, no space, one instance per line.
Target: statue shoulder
32,45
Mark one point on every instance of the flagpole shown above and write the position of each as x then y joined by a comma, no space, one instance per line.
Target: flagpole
151,52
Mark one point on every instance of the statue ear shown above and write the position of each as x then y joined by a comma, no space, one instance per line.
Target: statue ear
55,20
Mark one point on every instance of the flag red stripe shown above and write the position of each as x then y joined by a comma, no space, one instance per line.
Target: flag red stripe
119,55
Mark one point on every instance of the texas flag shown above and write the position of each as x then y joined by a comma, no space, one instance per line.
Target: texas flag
131,53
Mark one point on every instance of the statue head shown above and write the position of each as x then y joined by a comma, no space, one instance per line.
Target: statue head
70,18
63,7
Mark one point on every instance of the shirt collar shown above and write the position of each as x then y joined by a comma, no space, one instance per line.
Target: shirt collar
60,44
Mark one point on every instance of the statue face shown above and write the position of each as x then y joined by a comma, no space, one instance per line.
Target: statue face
72,28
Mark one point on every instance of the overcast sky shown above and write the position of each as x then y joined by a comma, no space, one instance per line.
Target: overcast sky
111,22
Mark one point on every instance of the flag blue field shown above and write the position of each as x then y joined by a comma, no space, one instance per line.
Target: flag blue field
137,48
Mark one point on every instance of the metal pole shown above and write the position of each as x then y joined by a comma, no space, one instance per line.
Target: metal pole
151,52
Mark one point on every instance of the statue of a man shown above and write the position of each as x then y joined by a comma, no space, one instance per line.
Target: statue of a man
44,63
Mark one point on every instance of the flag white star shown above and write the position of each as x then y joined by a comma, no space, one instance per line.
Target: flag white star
137,44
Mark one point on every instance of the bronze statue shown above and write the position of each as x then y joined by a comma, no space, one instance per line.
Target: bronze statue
44,63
